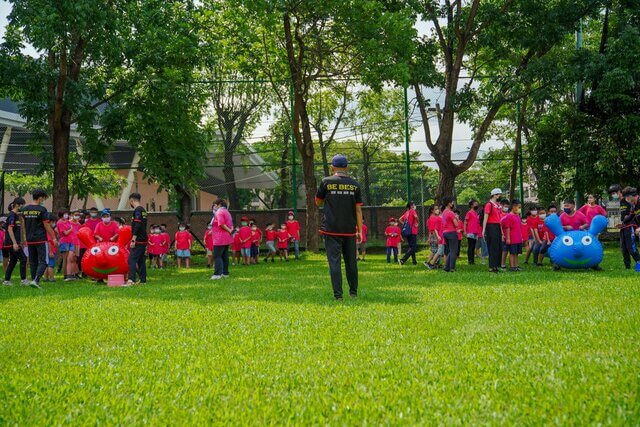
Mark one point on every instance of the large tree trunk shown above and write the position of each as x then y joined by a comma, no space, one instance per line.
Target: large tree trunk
61,167
184,200
446,183
301,127
59,120
309,176
283,198
230,179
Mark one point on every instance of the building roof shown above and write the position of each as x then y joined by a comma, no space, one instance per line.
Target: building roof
20,158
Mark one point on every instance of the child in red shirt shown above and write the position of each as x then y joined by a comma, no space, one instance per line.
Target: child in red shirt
245,240
361,250
293,228
271,235
184,240
236,247
436,240
283,239
52,252
208,243
460,230
512,225
106,230
256,240
527,237
154,246
392,232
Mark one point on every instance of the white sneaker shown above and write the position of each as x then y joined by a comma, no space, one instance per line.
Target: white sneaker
129,283
225,276
35,284
25,282
7,283
216,277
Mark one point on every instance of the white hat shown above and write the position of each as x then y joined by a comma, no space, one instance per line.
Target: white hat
496,191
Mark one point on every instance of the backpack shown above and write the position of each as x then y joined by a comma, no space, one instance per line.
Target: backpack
406,229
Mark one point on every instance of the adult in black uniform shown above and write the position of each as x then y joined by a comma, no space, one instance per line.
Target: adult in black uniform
137,263
630,195
36,228
341,199
12,244
627,245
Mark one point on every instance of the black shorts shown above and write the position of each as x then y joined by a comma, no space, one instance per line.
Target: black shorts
254,251
515,249
6,253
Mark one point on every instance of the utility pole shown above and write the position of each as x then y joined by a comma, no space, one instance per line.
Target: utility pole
406,143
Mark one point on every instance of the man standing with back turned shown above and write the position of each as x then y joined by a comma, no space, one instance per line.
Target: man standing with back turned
137,261
341,199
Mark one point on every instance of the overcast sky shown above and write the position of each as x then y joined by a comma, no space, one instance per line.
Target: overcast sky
462,133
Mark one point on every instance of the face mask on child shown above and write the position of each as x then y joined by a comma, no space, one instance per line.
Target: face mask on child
76,218
290,216
543,216
243,223
615,197
65,216
567,211
208,227
93,215
182,228
534,212
106,220
505,209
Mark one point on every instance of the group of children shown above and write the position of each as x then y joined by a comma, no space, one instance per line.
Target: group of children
68,252
248,238
526,235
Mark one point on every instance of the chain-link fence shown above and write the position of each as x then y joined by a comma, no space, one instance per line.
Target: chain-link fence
254,161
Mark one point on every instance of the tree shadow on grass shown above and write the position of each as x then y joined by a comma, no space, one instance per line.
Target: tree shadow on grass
302,283
307,282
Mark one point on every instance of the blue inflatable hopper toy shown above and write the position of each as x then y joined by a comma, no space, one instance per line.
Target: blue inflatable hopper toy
576,249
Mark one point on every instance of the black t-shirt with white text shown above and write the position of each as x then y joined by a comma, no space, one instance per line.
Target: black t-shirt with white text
34,218
341,194
139,224
13,221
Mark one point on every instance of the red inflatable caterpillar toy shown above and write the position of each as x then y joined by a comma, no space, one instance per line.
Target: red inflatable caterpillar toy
105,258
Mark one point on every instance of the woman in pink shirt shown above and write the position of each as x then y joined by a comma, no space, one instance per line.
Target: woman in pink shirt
410,216
450,225
472,230
222,226
592,209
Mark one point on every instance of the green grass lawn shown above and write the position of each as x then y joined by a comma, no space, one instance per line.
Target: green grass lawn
270,346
